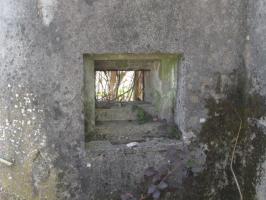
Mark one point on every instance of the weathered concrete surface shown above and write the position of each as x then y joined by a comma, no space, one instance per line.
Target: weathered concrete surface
41,48
122,111
255,48
256,67
120,169
124,131
115,114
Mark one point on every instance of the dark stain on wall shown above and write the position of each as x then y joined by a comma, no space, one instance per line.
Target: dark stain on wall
219,133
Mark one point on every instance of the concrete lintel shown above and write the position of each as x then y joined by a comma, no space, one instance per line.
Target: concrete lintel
134,56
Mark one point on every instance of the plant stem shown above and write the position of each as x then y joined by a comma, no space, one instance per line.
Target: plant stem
232,160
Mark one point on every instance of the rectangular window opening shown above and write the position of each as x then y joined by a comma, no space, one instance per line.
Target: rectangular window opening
119,86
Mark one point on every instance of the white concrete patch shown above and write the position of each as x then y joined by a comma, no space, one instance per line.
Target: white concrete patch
202,120
132,144
47,10
262,121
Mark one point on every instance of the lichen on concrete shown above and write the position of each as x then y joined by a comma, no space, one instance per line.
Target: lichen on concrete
21,141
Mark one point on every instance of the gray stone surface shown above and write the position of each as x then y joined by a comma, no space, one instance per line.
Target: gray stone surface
120,169
124,131
124,111
42,43
256,46
256,67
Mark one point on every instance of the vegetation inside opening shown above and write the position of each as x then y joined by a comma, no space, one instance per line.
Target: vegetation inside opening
119,86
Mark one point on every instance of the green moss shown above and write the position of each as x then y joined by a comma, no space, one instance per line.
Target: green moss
219,133
173,131
142,115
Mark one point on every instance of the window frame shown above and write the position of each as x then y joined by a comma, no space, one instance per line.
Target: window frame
165,60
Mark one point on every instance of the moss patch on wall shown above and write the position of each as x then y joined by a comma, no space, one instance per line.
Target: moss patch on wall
219,134
142,115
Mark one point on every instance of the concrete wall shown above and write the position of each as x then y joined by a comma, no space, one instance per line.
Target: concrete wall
161,87
256,66
41,64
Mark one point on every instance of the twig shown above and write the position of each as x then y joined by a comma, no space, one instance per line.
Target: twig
232,159
6,162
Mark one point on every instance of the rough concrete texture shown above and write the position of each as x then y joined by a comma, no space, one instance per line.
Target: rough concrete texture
125,132
124,123
120,169
256,65
122,111
128,166
42,43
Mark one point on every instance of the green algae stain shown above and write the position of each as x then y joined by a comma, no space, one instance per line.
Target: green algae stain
168,67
